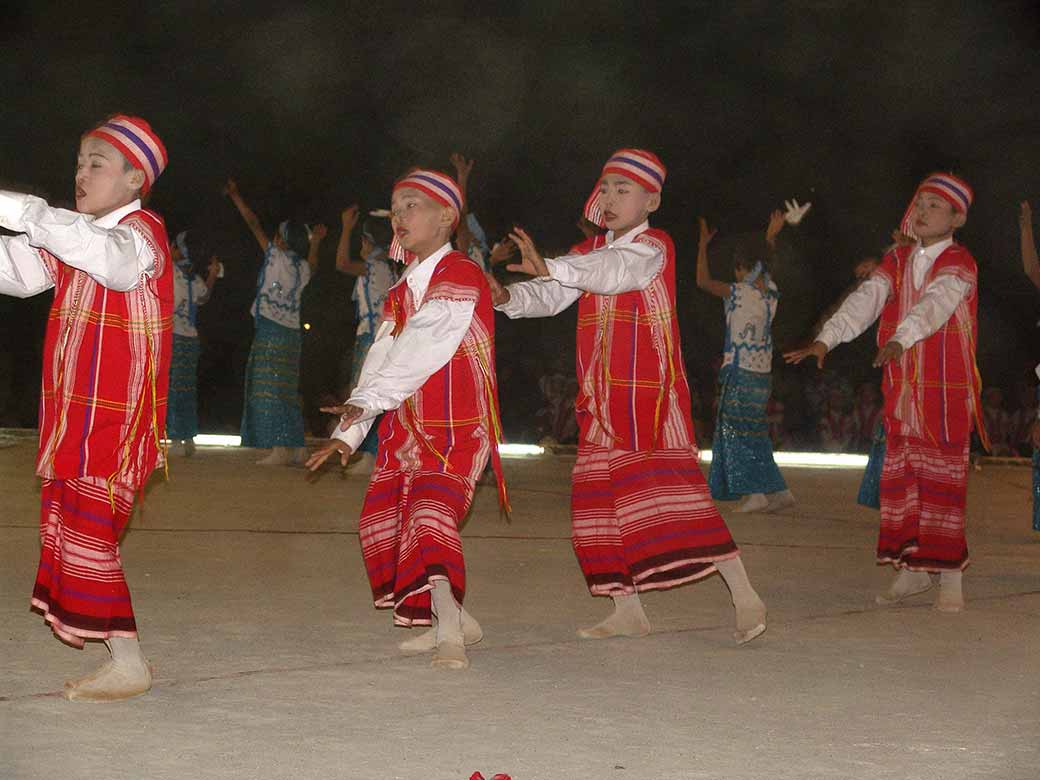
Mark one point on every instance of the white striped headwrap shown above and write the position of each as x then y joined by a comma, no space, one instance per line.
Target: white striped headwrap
134,138
950,188
643,167
440,187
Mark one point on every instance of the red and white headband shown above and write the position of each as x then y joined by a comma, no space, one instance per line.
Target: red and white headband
440,187
134,138
643,167
955,191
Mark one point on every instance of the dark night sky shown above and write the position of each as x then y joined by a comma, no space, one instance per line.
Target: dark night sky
314,106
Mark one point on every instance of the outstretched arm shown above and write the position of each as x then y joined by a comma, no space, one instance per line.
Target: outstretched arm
22,272
704,279
611,270
231,190
1029,260
115,257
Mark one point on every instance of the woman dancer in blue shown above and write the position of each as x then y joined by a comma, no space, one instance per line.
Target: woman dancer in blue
272,417
190,291
742,462
376,274
1031,265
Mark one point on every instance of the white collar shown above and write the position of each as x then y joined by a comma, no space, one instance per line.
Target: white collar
934,250
418,273
111,219
628,237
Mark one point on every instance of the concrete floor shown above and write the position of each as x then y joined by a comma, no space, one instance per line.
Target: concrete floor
271,662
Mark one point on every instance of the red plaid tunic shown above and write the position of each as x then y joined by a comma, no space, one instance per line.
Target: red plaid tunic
634,394
106,366
933,391
451,423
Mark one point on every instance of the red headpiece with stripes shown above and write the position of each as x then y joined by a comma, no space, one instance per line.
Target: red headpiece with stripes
643,167
441,188
948,187
134,138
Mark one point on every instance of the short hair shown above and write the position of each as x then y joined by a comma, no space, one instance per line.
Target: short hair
377,230
750,250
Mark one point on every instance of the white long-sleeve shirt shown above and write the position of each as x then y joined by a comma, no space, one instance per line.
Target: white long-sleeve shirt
396,367
621,266
115,256
863,306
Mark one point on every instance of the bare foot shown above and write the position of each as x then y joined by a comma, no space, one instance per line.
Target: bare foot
426,642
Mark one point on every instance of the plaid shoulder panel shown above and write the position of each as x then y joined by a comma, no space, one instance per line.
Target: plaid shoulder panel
150,227
457,278
957,261
651,238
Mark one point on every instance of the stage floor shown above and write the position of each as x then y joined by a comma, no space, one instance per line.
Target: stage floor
271,662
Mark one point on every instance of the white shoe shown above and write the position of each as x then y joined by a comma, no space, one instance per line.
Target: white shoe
781,499
755,502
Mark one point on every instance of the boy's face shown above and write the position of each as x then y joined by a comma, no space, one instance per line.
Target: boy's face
624,203
420,223
103,183
935,218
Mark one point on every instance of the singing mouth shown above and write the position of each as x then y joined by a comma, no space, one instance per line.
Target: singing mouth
80,193
609,215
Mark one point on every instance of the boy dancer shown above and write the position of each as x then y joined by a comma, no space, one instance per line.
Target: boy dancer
105,373
926,296
643,518
432,369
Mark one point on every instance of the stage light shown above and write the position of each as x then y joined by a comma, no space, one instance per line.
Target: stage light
520,450
306,326
216,440
824,460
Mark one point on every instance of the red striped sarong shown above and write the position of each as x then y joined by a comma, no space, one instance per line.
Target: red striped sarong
924,489
80,587
409,533
644,520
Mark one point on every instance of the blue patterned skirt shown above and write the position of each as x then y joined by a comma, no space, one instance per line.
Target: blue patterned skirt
1036,489
870,488
742,454
182,421
362,343
272,416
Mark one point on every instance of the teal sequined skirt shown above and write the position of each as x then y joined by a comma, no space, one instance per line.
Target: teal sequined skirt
742,453
870,487
272,416
182,421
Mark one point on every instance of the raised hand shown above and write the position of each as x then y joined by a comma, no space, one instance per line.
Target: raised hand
349,217
794,213
817,350
318,233
901,238
323,453
347,414
231,188
463,167
532,262
1025,216
501,251
706,233
499,294
893,350
776,224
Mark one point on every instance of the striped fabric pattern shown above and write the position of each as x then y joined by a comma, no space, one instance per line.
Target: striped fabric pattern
923,497
643,167
409,534
644,520
80,588
106,366
948,187
135,139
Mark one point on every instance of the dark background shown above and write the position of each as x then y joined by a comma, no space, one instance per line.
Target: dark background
315,106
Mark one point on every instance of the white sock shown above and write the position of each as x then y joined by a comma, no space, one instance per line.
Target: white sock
751,611
951,595
448,612
628,619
